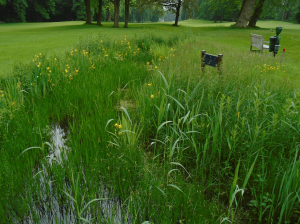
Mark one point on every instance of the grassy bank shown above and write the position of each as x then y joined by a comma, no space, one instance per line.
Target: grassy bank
18,42
151,134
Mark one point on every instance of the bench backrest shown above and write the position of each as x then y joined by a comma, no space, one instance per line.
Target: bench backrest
257,40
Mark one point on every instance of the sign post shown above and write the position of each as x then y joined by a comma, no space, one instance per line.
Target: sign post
211,60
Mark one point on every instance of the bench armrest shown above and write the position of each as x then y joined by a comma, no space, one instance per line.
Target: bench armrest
266,42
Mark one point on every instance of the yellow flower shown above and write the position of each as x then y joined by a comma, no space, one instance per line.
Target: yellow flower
40,53
155,66
38,66
70,77
120,126
158,92
152,96
106,55
116,125
66,70
120,133
49,71
150,84
148,63
75,49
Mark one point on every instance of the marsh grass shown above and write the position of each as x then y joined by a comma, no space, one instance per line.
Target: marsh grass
184,154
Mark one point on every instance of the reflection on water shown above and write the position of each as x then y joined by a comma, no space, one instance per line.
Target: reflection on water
49,207
59,136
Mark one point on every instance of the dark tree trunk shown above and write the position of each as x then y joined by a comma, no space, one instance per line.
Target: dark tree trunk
99,14
126,13
88,11
244,1
216,17
117,12
245,13
177,12
256,14
221,20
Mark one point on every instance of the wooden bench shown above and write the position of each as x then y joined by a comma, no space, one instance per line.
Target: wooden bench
258,42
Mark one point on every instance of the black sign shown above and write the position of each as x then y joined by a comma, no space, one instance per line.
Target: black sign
211,60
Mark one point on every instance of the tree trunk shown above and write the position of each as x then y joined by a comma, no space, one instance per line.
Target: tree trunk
99,14
126,13
245,13
216,17
256,14
243,4
108,15
177,12
117,12
88,11
221,20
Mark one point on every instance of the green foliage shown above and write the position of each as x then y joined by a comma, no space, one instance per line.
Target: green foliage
148,129
79,9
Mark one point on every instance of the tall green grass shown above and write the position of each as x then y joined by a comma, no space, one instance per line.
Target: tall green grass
152,134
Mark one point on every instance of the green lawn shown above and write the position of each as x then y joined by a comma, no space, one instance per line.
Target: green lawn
20,42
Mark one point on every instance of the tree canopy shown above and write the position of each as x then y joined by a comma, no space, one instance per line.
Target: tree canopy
241,11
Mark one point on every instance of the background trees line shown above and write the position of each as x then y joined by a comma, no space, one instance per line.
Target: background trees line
241,11
68,10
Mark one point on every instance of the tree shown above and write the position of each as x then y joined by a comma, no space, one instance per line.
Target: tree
271,4
127,4
40,10
99,14
13,11
174,6
257,11
245,13
117,12
88,11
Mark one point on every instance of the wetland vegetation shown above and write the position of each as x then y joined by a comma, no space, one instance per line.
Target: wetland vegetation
147,137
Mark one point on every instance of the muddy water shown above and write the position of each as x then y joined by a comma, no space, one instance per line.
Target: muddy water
48,208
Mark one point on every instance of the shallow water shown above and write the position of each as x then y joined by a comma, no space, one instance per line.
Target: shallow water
48,209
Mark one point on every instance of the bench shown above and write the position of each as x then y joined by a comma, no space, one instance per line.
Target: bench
258,42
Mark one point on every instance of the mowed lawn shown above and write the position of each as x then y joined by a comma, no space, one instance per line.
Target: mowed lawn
20,42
